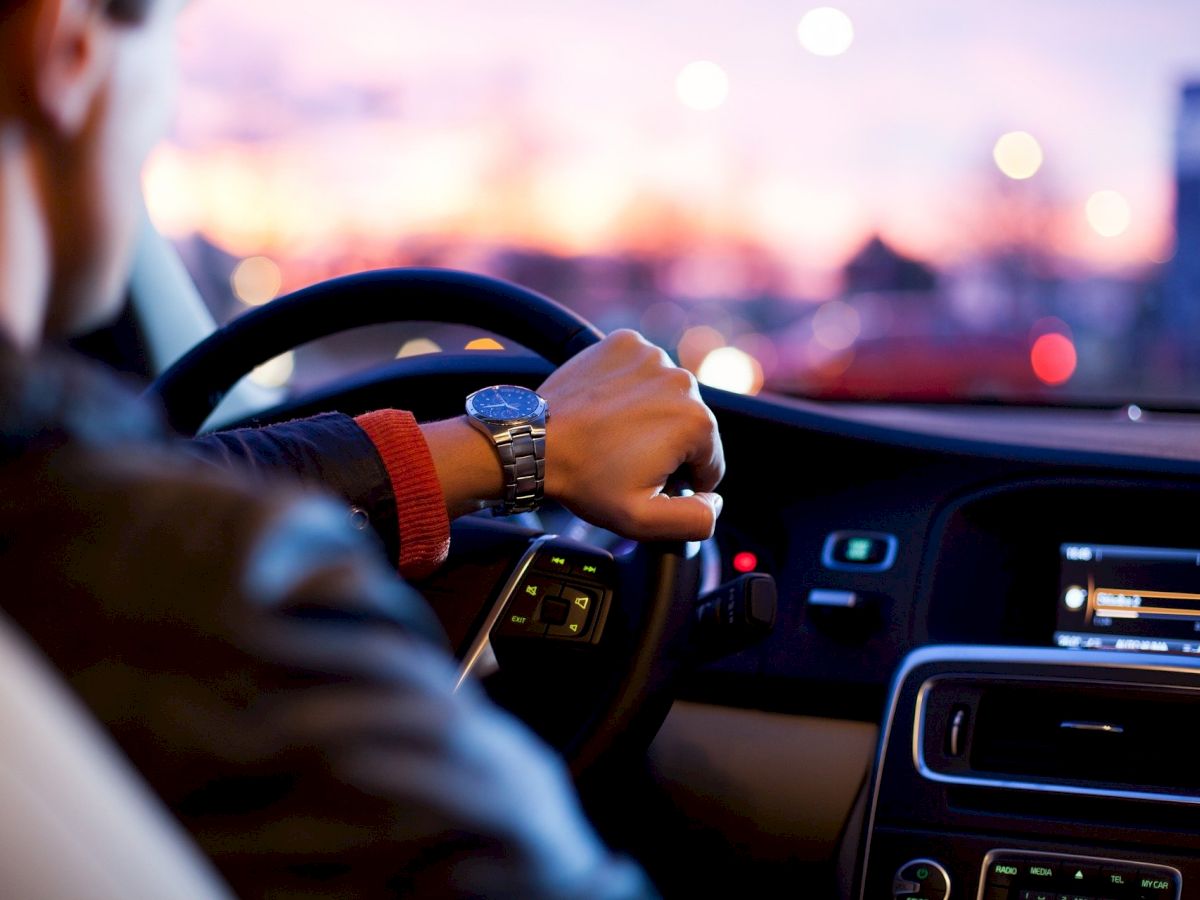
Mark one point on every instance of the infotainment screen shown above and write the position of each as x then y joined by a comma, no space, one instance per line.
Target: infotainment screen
1129,598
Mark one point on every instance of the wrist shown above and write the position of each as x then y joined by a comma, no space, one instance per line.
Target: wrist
467,465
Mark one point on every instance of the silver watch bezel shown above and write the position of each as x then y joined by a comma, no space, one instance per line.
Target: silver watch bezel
534,417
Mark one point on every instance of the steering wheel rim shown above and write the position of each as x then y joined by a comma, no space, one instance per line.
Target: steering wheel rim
196,383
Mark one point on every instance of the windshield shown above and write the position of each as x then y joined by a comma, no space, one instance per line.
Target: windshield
919,200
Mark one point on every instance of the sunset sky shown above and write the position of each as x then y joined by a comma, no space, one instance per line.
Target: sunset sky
309,127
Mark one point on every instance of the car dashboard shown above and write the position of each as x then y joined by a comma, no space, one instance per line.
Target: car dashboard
1015,596
960,589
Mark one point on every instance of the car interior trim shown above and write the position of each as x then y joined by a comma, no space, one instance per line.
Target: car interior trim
998,655
1073,858
479,652
1046,787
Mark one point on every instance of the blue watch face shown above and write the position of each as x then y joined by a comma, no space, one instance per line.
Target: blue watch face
506,402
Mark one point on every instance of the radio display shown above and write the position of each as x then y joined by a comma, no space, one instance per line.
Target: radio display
1113,597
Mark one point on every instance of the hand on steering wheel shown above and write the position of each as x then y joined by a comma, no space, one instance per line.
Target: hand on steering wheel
614,473
623,420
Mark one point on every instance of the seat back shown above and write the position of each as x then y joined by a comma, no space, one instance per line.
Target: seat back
76,820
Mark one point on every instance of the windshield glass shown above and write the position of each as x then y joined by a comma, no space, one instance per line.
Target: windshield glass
919,200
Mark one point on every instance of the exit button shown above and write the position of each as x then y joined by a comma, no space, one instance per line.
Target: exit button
859,551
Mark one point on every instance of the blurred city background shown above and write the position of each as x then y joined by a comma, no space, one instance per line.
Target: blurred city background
890,199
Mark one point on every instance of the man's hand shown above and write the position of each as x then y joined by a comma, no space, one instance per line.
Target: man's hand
623,419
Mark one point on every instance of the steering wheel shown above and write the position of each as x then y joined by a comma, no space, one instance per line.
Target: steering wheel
590,692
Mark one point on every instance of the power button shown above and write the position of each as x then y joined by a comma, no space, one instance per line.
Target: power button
921,879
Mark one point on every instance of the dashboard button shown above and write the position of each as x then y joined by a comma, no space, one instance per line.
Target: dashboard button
859,551
1080,877
1002,872
1042,870
1117,879
834,599
921,879
1155,886
1039,895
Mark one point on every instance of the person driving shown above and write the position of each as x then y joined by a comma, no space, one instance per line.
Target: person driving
250,649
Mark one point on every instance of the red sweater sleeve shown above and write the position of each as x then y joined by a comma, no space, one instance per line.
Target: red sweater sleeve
421,515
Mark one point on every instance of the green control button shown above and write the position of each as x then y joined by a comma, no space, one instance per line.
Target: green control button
859,549
1118,878
928,877
554,561
1002,874
1155,886
520,619
1041,871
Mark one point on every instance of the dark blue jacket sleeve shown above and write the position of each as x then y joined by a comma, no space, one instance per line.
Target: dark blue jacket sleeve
329,451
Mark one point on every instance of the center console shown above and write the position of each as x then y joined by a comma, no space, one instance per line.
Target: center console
1013,773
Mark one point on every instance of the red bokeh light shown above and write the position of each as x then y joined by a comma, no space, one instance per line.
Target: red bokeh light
745,562
1053,358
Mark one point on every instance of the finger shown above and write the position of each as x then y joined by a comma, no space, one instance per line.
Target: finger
664,518
706,461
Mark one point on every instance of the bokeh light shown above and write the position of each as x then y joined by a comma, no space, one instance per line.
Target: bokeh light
731,369
418,347
1108,213
702,85
825,31
484,343
256,280
275,373
1018,155
696,344
1053,358
836,325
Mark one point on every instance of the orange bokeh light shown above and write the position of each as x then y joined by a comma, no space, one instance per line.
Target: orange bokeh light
1053,358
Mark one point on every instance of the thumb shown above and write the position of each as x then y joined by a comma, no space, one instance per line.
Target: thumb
665,518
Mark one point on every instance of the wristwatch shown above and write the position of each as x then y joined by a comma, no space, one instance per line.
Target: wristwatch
515,419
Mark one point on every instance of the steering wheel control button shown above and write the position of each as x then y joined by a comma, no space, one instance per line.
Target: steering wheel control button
591,569
520,619
554,561
554,612
921,879
859,551
579,606
573,564
539,588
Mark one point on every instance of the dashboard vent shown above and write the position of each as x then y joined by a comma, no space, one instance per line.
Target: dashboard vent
1083,735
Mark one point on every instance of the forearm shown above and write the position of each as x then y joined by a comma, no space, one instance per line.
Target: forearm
330,452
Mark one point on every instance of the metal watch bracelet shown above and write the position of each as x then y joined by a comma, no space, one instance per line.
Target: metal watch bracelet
522,450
